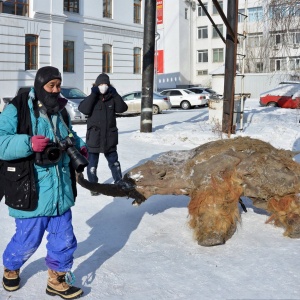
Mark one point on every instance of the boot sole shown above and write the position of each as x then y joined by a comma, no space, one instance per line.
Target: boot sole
51,292
10,288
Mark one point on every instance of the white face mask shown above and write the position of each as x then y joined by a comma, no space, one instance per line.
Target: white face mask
103,88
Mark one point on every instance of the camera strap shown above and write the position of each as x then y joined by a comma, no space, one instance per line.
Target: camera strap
64,123
42,109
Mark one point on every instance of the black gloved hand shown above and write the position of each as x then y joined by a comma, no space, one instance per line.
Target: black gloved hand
95,90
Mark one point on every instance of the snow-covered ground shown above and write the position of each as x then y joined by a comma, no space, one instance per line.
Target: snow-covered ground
148,252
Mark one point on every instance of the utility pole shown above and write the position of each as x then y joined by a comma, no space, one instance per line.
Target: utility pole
230,67
148,65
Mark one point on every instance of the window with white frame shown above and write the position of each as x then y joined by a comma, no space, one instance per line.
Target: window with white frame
241,15
201,11
278,64
215,11
202,56
296,37
215,34
254,40
202,32
202,72
259,67
218,55
295,63
255,14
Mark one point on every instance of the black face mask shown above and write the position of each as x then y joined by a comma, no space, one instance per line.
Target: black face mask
50,101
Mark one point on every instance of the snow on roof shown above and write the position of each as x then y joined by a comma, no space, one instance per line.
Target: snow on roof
286,88
220,71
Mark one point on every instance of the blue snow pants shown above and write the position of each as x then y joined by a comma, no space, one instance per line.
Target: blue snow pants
29,234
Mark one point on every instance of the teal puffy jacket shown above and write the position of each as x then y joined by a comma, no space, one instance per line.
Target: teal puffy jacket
53,182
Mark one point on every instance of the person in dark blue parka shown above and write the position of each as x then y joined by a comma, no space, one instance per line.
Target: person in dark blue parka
101,107
41,203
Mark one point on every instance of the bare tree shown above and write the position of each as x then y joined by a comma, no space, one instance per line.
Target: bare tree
273,40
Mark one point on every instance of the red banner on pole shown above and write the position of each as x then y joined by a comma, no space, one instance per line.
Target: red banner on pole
160,61
159,12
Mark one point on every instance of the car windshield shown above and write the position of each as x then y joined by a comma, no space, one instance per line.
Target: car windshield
189,92
72,93
157,95
211,91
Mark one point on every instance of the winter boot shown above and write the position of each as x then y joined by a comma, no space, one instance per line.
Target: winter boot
60,284
11,280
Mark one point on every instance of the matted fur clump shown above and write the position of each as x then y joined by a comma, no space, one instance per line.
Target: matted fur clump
215,176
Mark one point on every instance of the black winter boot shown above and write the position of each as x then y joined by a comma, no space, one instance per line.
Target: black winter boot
11,280
57,286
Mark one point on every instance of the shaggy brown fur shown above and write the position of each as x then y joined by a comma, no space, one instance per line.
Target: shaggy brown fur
215,176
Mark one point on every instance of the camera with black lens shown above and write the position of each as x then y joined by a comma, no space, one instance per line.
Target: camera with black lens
53,152
51,155
79,162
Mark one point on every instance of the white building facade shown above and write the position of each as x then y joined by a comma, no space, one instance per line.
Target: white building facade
194,54
81,38
85,38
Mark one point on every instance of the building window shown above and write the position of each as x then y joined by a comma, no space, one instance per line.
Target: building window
278,64
295,63
19,8
241,15
201,10
215,33
202,32
255,41
68,56
218,55
215,11
31,52
137,60
107,58
259,67
296,37
255,14
202,72
202,56
107,9
71,6
137,11
186,13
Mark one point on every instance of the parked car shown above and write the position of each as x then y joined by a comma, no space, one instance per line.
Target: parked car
184,98
205,91
133,100
285,95
72,94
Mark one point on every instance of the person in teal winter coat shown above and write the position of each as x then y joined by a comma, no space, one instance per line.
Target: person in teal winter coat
37,181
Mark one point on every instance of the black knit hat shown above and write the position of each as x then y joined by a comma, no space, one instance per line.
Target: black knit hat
44,75
102,79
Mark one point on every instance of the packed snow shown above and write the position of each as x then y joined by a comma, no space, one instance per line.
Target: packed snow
148,252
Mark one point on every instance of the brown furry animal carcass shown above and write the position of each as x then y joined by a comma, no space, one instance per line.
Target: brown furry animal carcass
215,176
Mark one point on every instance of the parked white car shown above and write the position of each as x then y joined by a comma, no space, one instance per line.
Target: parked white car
134,102
184,98
205,91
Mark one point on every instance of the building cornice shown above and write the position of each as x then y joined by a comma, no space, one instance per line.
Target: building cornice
38,15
